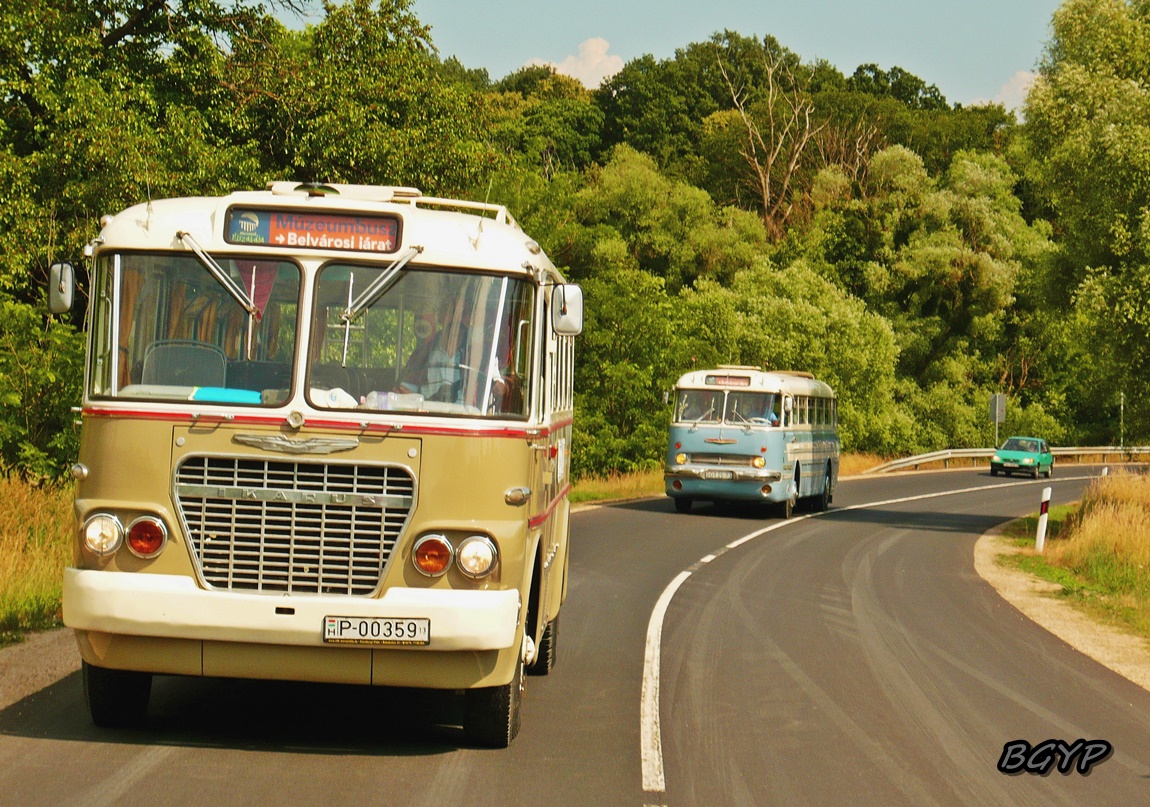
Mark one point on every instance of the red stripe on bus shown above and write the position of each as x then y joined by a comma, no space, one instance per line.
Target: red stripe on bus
536,521
521,433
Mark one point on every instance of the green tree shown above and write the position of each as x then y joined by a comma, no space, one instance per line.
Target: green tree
1087,157
546,120
361,97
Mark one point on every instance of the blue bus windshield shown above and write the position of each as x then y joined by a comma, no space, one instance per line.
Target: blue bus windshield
715,406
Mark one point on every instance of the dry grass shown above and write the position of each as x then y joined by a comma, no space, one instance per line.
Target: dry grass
1101,556
619,486
1110,537
855,464
35,546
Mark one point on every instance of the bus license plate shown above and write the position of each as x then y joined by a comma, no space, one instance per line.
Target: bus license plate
718,475
376,630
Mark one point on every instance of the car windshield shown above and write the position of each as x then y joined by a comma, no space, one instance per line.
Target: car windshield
1018,444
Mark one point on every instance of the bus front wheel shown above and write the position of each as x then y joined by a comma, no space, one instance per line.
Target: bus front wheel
823,500
547,653
786,508
491,714
116,698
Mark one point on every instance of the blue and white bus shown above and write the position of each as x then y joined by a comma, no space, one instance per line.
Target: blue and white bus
742,434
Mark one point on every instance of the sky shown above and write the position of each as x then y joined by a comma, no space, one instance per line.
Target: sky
975,51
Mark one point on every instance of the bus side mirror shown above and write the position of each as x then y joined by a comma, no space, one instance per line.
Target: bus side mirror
567,310
61,284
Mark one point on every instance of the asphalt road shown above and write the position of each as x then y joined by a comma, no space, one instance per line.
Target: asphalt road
842,658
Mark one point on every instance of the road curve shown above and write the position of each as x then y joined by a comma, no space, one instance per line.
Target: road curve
856,656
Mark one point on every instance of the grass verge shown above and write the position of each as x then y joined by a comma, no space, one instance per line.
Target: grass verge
1097,550
35,546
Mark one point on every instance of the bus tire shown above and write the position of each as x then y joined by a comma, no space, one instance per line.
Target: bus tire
786,508
823,500
546,653
683,504
491,714
116,698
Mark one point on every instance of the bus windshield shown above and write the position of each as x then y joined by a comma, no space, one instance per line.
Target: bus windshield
717,406
166,329
434,341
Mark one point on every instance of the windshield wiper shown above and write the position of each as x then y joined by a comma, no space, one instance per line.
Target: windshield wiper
695,423
378,286
238,292
232,287
373,292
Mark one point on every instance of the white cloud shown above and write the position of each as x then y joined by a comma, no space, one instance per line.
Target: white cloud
1013,92
591,66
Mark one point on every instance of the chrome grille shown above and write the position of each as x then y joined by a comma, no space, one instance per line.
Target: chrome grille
298,527
729,460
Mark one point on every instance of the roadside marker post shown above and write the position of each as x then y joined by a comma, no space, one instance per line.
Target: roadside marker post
1040,539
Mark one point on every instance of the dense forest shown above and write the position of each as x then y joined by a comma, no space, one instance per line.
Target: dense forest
731,204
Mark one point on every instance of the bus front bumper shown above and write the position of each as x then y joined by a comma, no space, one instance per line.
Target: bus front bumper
174,607
721,473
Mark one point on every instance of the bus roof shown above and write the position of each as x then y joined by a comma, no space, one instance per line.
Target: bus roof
751,378
451,232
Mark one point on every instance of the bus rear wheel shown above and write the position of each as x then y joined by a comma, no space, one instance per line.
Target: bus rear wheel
491,714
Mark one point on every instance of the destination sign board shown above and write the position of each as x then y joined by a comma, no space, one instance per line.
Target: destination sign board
293,229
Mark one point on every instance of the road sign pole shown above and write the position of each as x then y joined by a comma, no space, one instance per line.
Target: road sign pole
1040,539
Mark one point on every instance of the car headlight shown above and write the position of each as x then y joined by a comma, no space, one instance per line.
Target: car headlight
476,556
103,533
1028,461
996,458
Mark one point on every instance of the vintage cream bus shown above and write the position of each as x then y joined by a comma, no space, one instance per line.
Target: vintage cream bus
326,437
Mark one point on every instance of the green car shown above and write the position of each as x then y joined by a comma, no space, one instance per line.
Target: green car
1028,455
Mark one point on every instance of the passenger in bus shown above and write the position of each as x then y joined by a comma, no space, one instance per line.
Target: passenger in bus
435,367
701,407
764,412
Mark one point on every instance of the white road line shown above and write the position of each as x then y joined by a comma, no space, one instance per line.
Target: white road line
651,739
650,732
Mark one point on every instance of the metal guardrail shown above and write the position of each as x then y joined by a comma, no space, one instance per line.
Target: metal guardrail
1125,453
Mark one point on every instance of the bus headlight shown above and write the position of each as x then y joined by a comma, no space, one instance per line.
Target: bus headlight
681,459
432,555
103,533
147,537
759,462
476,556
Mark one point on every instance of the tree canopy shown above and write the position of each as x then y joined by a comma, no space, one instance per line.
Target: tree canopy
731,203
